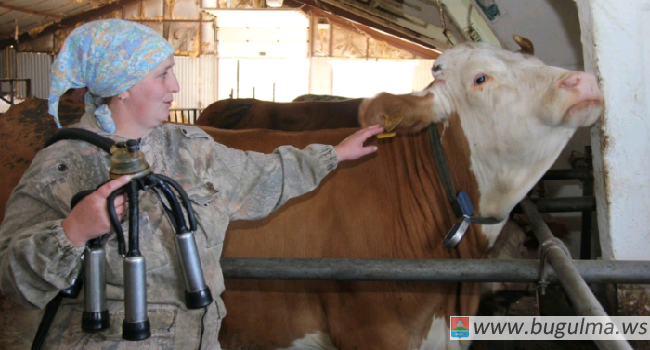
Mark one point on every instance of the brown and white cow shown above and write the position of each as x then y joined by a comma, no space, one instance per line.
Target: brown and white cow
504,117
299,116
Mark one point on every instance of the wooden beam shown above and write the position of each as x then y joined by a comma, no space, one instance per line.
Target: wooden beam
424,52
67,22
20,9
369,20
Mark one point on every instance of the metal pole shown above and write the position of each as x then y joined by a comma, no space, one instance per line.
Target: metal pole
566,174
442,270
583,300
585,220
562,205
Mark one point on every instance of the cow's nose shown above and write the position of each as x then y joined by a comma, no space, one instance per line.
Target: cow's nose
584,83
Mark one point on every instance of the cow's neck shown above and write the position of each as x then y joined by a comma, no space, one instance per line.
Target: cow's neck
505,168
458,153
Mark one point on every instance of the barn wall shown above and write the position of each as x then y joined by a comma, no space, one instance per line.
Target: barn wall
198,79
422,76
320,76
26,65
8,69
620,140
339,77
279,80
261,33
36,66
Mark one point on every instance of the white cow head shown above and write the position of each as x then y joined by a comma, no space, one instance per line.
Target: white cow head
480,79
516,113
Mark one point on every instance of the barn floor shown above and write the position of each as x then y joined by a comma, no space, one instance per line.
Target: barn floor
525,303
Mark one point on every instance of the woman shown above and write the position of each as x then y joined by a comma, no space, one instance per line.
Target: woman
128,71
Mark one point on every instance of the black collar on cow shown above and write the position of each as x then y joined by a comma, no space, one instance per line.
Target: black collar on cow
460,201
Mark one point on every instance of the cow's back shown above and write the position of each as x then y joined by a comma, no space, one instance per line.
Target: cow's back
299,116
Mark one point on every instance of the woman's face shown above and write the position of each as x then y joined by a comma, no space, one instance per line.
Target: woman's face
149,100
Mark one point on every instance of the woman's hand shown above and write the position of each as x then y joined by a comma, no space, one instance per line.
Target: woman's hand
352,147
89,218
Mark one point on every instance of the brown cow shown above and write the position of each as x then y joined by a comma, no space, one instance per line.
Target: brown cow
24,128
504,117
251,113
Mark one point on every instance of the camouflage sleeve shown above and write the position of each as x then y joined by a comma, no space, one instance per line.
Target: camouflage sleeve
36,257
258,184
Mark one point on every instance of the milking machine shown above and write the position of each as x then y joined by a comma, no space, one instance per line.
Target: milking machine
127,159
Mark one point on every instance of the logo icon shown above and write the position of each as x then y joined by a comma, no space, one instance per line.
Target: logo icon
459,326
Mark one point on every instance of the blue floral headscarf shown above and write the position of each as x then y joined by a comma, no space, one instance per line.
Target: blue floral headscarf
107,57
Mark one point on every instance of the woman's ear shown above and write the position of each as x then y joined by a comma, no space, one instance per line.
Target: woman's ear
124,95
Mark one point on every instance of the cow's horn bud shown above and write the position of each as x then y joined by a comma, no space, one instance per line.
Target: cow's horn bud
525,44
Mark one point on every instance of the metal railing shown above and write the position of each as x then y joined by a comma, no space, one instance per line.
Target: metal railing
18,89
184,115
554,265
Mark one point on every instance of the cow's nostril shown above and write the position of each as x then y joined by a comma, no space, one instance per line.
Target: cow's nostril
571,81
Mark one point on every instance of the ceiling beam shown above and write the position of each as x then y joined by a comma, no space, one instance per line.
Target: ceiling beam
67,22
20,9
422,51
356,15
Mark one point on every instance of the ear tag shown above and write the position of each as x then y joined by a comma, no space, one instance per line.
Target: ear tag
389,125
457,231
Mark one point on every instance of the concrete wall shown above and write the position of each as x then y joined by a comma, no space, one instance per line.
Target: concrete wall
616,40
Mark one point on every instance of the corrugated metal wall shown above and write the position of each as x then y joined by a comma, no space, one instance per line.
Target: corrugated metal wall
26,65
36,66
8,59
198,79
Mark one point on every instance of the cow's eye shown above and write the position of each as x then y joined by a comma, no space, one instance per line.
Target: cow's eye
480,79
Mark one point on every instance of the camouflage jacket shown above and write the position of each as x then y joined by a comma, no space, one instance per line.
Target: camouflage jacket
37,259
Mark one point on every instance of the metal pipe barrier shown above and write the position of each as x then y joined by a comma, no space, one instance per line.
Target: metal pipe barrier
571,274
184,115
566,174
440,270
552,249
562,205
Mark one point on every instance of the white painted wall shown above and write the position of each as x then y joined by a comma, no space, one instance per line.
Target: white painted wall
616,36
359,78
552,26
279,80
279,33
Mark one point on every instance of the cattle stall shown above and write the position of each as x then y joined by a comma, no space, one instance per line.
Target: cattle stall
554,265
